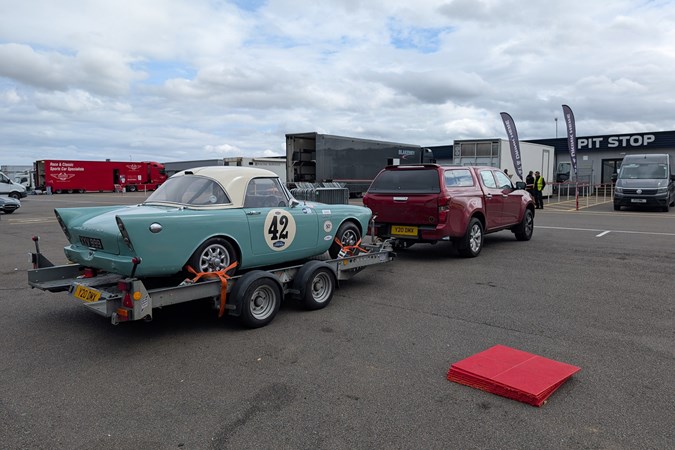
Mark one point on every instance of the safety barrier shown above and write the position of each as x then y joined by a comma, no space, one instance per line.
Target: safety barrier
588,194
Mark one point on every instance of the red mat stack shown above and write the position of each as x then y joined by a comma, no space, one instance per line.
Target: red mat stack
512,373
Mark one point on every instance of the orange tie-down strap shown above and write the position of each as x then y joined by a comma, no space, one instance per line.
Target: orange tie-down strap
350,250
222,274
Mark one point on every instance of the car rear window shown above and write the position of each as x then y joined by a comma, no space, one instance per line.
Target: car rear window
414,181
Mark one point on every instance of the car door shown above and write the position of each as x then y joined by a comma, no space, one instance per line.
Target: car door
494,203
278,231
511,199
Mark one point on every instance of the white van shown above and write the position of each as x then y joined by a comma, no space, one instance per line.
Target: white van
10,188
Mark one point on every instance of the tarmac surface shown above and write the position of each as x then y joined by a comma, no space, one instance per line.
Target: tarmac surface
593,288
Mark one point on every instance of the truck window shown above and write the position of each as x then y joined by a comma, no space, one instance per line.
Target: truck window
488,179
458,178
503,181
412,181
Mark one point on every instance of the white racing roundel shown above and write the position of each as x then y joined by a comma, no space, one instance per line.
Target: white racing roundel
279,229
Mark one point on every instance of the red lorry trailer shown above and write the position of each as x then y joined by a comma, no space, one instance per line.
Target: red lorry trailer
62,175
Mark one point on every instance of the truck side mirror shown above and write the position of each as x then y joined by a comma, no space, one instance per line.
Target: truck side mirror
520,185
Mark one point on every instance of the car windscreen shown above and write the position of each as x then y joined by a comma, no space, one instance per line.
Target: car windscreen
643,171
189,190
412,181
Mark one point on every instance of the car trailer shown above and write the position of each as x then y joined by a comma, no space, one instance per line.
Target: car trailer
254,296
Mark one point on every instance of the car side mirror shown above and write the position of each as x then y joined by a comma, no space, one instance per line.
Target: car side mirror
614,177
672,177
293,203
520,185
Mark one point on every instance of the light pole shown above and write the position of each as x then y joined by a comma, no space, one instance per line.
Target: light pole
556,127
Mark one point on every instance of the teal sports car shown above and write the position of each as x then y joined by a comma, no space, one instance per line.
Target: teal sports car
208,218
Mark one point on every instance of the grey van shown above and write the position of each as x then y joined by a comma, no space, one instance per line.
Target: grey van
645,180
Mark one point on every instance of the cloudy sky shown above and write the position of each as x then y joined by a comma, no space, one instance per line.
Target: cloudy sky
170,80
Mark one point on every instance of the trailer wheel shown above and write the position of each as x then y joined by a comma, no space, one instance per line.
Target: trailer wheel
213,255
470,245
316,282
348,234
260,302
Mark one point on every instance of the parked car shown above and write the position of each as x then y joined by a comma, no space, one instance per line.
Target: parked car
9,204
209,218
431,203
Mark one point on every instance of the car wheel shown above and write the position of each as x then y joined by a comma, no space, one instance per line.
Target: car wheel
15,195
470,245
213,255
348,234
666,208
260,302
525,228
316,283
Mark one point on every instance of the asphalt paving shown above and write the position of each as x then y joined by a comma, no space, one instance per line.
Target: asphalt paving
593,288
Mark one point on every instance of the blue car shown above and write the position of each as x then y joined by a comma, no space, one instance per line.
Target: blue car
209,218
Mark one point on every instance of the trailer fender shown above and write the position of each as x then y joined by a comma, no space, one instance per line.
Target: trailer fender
243,283
315,283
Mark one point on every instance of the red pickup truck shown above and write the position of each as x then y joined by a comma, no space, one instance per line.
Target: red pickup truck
431,203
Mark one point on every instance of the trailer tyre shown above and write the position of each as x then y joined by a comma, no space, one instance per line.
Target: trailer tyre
260,300
348,234
316,282
470,245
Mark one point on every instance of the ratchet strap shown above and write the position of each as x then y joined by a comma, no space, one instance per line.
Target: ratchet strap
222,274
351,250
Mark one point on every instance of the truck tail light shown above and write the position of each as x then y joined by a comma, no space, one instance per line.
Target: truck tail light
443,209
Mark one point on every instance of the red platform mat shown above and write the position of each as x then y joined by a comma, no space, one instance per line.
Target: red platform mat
512,373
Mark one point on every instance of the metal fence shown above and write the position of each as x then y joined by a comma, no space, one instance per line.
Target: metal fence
332,193
589,194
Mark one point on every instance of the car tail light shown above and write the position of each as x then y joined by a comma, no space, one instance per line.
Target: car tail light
62,224
125,234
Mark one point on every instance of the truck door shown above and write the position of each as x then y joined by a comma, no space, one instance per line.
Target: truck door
494,201
512,198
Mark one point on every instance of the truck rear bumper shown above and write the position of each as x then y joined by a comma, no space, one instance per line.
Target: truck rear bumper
425,233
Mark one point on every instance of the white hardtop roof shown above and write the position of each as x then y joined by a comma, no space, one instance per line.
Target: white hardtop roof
233,178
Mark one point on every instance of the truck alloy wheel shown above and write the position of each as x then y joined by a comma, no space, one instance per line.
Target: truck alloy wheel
470,245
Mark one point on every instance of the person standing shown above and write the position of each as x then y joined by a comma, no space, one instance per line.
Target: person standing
538,188
529,183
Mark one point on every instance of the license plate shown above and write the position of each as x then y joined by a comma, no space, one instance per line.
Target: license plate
91,242
404,230
86,294
638,200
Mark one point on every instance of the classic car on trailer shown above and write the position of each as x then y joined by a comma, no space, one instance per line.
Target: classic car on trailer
209,218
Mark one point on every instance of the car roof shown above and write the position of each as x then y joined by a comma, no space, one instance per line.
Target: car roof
234,179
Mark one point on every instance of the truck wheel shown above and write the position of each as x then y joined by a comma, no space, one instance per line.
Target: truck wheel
524,229
665,208
213,255
15,195
470,245
348,234
131,188
260,302
316,283
617,207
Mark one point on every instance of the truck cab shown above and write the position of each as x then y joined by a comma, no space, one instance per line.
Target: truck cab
10,188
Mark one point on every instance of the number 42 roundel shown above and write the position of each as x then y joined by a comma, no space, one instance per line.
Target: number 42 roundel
279,229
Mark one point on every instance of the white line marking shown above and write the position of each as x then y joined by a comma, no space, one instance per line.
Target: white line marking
600,231
602,234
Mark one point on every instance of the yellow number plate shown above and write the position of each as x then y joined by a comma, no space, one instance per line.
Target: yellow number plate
86,294
404,230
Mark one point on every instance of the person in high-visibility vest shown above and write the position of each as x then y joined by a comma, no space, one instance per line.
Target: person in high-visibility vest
538,188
